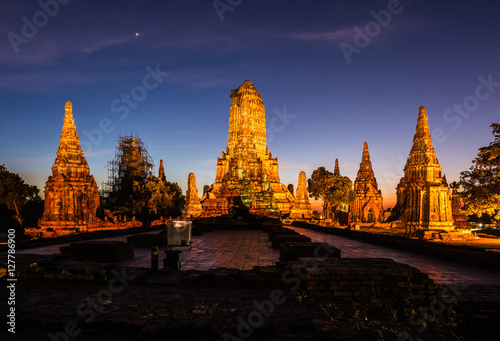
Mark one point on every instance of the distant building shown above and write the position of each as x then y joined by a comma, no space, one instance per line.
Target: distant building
423,195
131,163
302,207
368,206
71,194
192,207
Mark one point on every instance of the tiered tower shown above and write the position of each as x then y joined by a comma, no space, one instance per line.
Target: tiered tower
423,201
192,208
71,194
368,206
161,172
302,207
247,176
336,170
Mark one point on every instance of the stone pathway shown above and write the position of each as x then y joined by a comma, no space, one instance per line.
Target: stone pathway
231,249
244,249
240,249
441,271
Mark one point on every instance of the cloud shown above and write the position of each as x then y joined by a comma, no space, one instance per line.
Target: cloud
332,36
347,34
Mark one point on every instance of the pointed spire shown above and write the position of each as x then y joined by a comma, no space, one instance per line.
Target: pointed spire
422,123
302,185
337,169
422,152
366,153
68,108
366,165
365,160
161,171
192,208
365,173
69,153
69,129
247,121
302,207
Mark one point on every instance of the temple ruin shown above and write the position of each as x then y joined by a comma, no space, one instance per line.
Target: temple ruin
192,207
459,217
423,197
71,194
247,179
368,206
302,207
161,172
131,163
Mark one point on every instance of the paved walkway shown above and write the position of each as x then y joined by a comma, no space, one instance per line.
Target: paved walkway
240,249
441,271
231,249
244,249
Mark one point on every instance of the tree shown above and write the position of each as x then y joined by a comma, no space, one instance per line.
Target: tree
17,198
157,197
333,189
481,185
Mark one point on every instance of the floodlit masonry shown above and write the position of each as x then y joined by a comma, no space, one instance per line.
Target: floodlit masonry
247,179
302,207
423,195
368,205
71,194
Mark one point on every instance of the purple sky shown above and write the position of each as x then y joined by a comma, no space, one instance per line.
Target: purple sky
439,54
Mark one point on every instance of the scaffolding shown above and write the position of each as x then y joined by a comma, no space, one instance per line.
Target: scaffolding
131,161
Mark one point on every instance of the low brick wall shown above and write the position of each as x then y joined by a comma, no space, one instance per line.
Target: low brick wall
375,283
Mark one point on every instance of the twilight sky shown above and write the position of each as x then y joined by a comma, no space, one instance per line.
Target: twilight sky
332,75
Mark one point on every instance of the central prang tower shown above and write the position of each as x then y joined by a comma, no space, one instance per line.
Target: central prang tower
247,174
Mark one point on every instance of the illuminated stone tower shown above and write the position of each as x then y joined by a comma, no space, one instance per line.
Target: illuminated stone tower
302,207
423,201
367,206
247,174
71,194
192,208
161,172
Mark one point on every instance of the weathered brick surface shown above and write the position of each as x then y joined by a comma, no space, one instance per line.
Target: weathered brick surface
376,283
